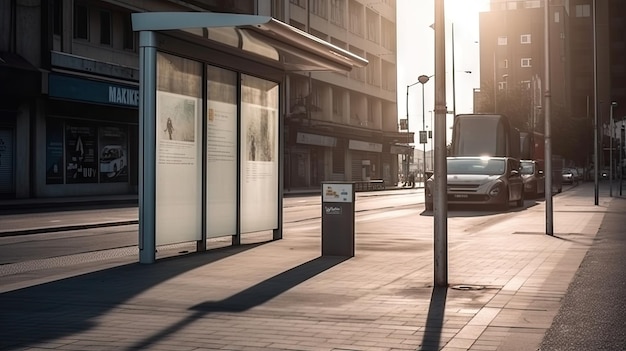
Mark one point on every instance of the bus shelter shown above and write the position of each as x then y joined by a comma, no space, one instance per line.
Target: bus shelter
210,122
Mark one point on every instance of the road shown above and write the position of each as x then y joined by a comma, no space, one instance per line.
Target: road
301,213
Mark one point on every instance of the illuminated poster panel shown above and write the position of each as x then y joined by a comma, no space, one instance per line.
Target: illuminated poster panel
113,143
178,170
221,180
80,153
259,154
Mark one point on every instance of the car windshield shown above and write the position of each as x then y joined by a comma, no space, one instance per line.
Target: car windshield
485,166
528,168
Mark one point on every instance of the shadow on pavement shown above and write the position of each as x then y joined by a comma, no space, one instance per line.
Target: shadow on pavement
434,322
251,297
62,308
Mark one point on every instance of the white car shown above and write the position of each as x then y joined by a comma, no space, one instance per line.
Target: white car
481,181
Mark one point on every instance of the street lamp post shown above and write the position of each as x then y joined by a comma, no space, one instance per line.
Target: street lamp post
613,105
406,173
622,147
423,79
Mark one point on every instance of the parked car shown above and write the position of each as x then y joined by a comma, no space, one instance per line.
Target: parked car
568,176
533,178
481,181
577,175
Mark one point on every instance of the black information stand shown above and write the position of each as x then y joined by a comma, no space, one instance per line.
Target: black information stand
338,219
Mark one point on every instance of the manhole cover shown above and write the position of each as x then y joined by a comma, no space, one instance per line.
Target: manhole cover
466,287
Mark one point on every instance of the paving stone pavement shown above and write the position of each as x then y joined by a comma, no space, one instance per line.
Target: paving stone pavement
507,281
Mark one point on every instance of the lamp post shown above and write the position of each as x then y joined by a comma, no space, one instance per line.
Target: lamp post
406,173
613,105
423,79
622,146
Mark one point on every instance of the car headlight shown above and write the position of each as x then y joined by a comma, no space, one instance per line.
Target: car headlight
495,190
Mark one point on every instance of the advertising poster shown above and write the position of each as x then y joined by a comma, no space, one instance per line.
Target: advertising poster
259,154
221,181
54,151
259,178
113,153
81,164
178,172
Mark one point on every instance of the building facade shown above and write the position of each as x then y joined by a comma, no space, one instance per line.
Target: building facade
513,68
69,118
344,126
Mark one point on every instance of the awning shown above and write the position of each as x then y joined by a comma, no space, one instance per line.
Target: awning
19,77
289,47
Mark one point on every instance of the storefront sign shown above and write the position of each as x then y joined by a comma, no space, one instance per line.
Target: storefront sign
395,149
365,146
73,88
314,139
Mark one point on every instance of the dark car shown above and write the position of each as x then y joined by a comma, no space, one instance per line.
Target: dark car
481,181
533,178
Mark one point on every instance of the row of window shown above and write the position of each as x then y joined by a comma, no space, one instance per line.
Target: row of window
583,10
356,19
90,21
523,39
524,62
524,84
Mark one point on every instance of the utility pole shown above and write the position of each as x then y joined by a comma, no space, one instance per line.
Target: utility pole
547,133
440,200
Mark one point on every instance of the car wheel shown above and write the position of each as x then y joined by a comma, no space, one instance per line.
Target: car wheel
505,205
520,202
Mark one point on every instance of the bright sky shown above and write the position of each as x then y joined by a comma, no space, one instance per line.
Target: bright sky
416,43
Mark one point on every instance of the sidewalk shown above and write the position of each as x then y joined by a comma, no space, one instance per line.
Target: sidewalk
507,281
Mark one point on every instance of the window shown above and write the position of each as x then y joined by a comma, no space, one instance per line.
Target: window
337,102
81,22
502,40
525,84
501,85
105,27
318,7
524,39
301,3
526,62
129,35
583,10
356,18
58,17
532,4
557,17
337,12
338,160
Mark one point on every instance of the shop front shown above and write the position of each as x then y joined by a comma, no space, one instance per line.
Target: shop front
90,138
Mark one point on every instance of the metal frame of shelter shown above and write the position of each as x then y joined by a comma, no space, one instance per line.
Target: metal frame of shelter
256,49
